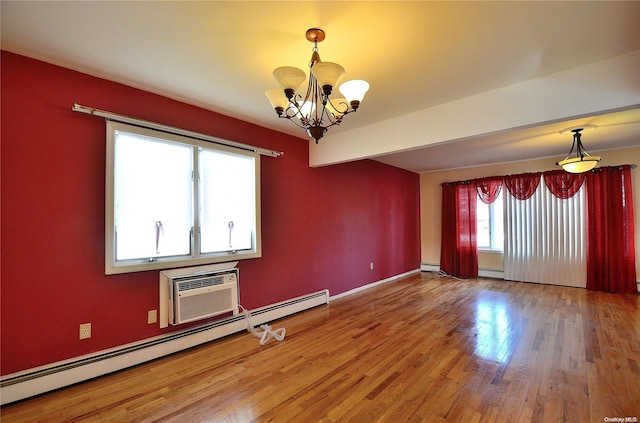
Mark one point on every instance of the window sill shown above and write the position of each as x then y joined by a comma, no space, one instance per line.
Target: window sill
490,251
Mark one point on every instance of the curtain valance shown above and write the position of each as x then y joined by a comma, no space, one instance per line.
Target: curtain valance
562,184
488,189
522,186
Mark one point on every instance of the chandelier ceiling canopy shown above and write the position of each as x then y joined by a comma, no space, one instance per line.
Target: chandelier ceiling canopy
318,109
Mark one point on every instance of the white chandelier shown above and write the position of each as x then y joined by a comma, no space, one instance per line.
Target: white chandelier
317,111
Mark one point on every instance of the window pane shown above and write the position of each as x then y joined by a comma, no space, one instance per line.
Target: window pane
227,201
482,224
497,223
152,197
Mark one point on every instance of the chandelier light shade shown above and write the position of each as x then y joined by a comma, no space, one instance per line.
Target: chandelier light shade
354,91
289,78
328,75
579,161
278,101
318,109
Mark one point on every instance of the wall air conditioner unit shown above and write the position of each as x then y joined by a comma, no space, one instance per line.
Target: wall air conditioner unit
196,293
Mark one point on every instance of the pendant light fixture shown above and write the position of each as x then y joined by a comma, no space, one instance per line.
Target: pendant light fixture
318,110
580,161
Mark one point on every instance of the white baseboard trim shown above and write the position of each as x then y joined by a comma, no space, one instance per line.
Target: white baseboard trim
373,284
429,267
485,273
488,273
497,274
28,383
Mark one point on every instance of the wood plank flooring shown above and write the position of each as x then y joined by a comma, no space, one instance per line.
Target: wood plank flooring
421,349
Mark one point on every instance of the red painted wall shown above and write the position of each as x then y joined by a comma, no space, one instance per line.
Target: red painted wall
321,227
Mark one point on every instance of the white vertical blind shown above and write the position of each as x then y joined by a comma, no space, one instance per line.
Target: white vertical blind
545,239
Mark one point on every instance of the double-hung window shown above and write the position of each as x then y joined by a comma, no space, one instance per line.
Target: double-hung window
490,224
176,201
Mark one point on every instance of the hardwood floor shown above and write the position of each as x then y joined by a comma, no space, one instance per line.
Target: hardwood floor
423,349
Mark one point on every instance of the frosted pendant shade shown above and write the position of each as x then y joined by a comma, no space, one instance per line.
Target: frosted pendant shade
289,77
354,90
277,98
337,106
327,73
579,165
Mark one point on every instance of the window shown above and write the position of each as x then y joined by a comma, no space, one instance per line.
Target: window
490,226
176,201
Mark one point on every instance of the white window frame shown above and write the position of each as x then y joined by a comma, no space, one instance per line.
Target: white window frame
499,202
113,266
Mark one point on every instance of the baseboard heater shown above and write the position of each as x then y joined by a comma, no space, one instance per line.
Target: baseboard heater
497,274
18,386
485,273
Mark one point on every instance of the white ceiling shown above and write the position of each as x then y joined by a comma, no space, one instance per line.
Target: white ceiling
220,55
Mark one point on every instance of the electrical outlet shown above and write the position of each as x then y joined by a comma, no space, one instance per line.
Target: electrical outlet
371,265
152,316
85,331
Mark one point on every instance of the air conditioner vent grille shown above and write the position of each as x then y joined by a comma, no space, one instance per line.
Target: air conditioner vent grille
187,285
198,293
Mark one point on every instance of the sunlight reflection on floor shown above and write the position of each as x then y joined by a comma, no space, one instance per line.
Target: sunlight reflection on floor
496,335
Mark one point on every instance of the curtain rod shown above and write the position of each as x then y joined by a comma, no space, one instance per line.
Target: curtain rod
631,166
173,130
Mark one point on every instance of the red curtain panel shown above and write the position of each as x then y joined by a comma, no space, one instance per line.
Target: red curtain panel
610,231
459,249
